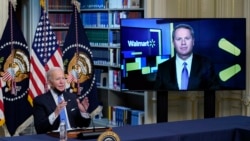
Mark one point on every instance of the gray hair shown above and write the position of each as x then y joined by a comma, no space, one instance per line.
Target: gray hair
50,71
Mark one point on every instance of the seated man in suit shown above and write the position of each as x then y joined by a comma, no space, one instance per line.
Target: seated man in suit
47,108
186,70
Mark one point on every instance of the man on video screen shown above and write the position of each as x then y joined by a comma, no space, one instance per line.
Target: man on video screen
186,70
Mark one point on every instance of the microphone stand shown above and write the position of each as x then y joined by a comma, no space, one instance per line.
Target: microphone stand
93,124
90,135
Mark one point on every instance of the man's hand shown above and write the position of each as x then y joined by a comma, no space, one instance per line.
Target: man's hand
60,107
83,105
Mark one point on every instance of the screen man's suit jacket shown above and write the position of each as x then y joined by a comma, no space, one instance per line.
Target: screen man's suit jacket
44,105
202,76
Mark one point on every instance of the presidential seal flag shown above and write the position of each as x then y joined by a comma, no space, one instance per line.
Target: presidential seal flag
78,62
14,73
45,54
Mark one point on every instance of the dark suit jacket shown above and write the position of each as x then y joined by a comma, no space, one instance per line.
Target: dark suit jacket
202,76
44,105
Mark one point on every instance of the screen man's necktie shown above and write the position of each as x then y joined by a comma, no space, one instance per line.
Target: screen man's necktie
184,77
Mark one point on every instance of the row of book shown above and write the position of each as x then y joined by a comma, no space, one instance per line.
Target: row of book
108,79
95,4
114,38
105,49
121,115
100,79
106,56
101,56
96,37
84,4
124,4
114,56
108,19
94,19
114,79
59,4
112,4
100,37
59,19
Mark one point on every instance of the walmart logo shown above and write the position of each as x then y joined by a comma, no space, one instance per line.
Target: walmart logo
150,43
233,50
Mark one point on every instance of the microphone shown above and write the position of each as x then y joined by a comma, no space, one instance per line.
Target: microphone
91,118
93,123
90,135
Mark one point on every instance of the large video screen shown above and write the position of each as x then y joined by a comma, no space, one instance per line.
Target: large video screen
147,44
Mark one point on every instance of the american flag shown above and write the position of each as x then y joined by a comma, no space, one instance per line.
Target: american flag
72,77
45,54
7,76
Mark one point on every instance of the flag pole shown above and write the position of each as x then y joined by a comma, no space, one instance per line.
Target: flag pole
13,82
77,6
43,5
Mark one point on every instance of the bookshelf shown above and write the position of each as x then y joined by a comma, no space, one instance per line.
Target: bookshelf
101,20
